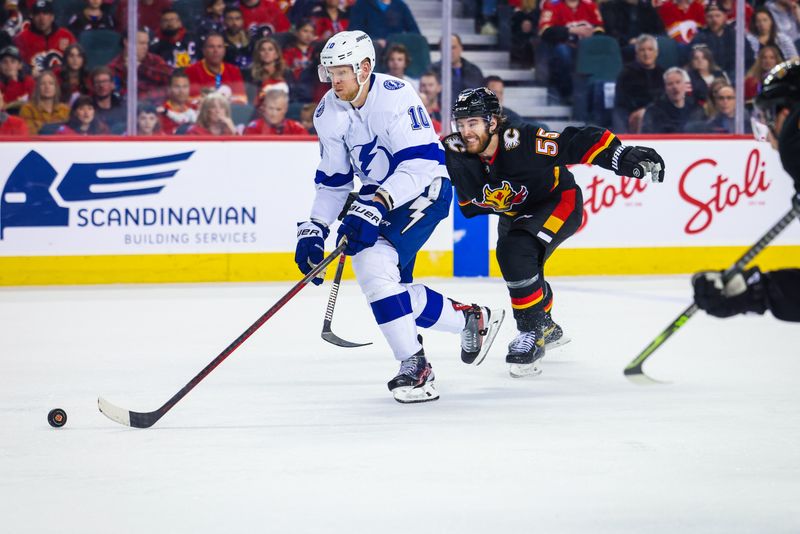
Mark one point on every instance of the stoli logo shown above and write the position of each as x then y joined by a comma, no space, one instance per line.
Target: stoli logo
724,193
600,195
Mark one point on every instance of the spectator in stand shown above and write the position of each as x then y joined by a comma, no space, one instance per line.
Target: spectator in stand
94,16
729,7
703,70
42,44
430,88
721,39
524,22
768,56
263,17
174,43
682,19
308,87
268,70
465,75
152,71
561,25
9,124
214,116
764,32
397,61
176,110
298,55
496,85
45,106
109,105
639,84
272,121
787,17
83,119
307,117
329,19
625,20
11,22
238,42
675,109
15,84
213,20
73,75
213,73
721,108
149,14
381,18
147,121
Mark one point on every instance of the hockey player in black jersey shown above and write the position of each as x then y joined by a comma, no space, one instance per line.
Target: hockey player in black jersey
519,172
778,111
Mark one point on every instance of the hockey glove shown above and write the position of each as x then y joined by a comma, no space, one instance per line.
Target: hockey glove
361,225
310,249
637,162
743,293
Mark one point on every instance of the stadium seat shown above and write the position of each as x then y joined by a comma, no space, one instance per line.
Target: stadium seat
418,51
191,11
242,113
667,52
101,46
50,129
294,110
599,63
284,39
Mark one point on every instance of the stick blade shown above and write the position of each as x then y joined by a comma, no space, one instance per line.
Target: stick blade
637,376
332,338
113,412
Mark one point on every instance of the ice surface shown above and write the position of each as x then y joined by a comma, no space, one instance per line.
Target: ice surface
291,434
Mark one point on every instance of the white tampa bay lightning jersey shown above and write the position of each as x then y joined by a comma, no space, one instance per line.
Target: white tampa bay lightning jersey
388,143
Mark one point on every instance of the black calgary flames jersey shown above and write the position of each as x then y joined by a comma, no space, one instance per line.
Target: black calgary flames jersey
528,168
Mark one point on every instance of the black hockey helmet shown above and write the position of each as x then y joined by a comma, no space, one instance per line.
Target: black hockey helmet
780,89
478,102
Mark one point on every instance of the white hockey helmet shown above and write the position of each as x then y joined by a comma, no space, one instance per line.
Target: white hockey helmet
346,48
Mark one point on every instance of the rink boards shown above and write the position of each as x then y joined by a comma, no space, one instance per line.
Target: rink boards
126,211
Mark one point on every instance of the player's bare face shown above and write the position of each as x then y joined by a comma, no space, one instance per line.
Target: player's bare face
343,82
474,134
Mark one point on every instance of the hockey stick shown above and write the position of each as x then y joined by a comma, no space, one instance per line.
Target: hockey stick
634,371
148,419
327,334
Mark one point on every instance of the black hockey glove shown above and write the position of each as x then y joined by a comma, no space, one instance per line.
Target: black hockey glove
637,162
743,293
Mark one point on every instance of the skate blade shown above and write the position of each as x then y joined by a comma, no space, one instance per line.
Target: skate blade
411,395
557,343
521,370
496,320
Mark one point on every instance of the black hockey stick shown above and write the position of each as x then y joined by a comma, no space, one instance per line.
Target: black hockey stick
327,334
634,370
148,419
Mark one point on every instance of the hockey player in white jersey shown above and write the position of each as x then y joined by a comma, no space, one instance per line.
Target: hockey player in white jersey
375,127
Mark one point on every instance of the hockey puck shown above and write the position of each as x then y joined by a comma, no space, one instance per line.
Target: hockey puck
57,417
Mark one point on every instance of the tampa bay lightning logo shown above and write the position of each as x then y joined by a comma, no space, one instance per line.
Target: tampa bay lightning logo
320,109
374,161
26,199
393,84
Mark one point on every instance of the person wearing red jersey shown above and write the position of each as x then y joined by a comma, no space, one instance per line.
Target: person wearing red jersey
152,71
298,56
213,73
263,17
10,125
273,119
176,110
329,19
562,24
682,18
42,44
16,86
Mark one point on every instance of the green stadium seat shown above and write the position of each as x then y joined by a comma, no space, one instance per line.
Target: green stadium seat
667,52
101,46
599,58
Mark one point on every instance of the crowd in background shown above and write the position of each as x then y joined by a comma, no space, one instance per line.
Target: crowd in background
246,67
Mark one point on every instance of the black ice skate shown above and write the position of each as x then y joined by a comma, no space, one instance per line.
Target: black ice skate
414,381
553,334
482,325
524,352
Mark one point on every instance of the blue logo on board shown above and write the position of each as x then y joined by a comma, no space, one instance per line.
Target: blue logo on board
393,84
26,200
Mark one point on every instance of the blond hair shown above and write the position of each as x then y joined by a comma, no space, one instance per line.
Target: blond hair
205,107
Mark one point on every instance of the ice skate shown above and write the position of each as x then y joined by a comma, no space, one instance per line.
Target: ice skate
414,381
553,334
524,353
479,332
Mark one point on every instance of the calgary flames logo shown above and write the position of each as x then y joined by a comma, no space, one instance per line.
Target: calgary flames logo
503,198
